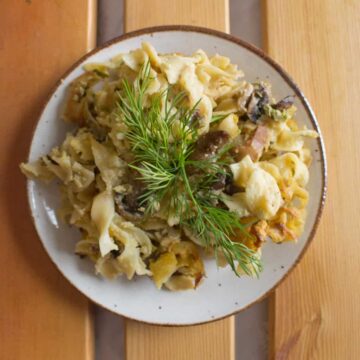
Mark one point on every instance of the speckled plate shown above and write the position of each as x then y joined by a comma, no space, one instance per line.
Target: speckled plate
222,293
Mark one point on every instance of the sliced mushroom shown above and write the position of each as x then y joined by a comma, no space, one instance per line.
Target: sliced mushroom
230,187
209,144
257,100
284,104
128,204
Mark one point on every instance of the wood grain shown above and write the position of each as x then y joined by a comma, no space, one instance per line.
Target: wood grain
42,316
209,13
211,341
316,312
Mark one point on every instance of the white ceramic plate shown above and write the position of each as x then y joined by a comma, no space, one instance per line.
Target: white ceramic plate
222,293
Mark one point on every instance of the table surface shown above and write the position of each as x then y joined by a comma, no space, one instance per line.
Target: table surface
314,313
42,316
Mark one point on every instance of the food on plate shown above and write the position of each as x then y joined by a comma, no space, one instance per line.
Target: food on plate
174,159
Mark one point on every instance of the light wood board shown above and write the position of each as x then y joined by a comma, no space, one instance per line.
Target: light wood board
42,316
210,341
214,340
316,311
208,13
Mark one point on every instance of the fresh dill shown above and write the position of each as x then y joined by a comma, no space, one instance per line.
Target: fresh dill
162,136
217,118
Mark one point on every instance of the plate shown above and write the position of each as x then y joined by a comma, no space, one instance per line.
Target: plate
222,293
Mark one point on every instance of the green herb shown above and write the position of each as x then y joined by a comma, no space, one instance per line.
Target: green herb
162,142
218,117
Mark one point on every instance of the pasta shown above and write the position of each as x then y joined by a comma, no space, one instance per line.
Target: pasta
103,184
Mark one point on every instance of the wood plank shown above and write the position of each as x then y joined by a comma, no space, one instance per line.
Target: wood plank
209,13
42,316
211,341
316,312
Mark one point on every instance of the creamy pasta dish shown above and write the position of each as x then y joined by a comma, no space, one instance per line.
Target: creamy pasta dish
175,159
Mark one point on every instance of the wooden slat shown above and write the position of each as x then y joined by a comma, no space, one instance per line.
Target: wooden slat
209,13
211,341
42,316
316,312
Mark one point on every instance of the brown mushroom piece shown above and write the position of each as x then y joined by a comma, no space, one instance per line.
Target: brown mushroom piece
284,104
230,187
128,205
209,144
257,100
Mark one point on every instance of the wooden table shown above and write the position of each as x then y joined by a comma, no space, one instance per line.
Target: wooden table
315,313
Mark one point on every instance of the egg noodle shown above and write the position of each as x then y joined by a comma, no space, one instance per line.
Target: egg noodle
256,139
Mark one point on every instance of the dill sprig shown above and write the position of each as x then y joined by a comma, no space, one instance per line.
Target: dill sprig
162,135
217,118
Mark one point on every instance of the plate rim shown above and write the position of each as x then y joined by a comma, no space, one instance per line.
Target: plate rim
285,76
